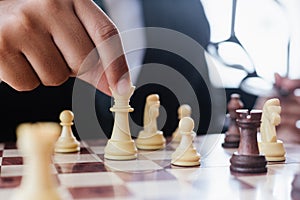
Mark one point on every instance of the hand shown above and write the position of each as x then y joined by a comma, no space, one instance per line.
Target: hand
48,41
290,114
290,109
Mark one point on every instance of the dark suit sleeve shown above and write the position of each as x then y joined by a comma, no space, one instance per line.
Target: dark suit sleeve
186,17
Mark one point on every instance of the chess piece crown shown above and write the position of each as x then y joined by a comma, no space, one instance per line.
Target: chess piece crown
121,102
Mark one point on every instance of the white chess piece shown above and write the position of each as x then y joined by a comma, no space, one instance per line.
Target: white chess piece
36,142
121,146
272,148
66,143
186,154
183,111
150,138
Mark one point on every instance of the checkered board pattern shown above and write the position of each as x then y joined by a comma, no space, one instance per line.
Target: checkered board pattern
87,175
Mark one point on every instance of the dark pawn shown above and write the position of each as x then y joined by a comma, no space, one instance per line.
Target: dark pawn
232,136
247,159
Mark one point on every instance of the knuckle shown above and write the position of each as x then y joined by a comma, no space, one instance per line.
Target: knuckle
24,23
106,31
18,23
51,6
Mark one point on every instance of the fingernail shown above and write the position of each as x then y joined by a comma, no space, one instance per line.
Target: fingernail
123,86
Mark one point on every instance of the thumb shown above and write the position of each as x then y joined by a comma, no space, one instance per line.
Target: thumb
286,83
278,79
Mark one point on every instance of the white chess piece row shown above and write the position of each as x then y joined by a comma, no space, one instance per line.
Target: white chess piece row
122,147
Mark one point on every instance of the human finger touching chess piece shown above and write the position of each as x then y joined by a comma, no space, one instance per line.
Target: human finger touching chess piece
36,142
232,136
183,111
186,154
248,159
121,146
151,138
67,142
269,145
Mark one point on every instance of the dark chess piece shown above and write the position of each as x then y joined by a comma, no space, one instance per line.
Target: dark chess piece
296,187
232,136
247,159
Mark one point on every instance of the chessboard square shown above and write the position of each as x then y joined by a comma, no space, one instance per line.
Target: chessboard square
12,161
17,170
157,155
10,145
7,193
204,175
1,146
168,189
100,192
10,182
84,150
166,164
277,185
157,175
11,170
1,153
97,149
132,165
75,158
0,161
286,169
12,153
80,167
89,179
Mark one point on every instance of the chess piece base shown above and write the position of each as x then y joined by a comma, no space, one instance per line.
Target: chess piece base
186,157
62,146
150,141
186,164
273,151
231,141
248,163
120,150
296,188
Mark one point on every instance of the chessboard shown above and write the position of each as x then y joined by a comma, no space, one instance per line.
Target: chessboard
88,175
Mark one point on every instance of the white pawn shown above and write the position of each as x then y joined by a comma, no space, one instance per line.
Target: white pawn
66,143
183,111
150,138
36,142
186,154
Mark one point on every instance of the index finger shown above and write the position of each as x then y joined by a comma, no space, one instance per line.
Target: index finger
101,29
